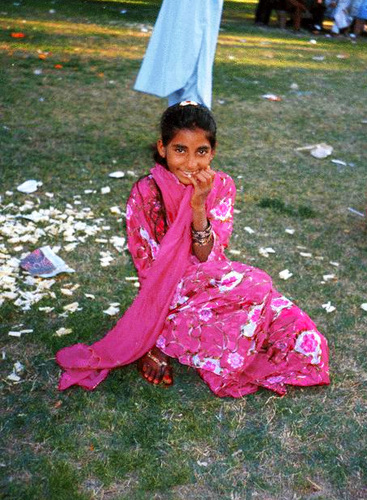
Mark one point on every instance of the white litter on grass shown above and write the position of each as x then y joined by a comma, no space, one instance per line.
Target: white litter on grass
63,331
319,58
290,231
74,306
364,306
320,150
29,187
235,252
106,258
355,212
18,367
271,97
339,162
118,242
37,72
13,377
294,86
70,247
249,230
328,307
313,41
328,277
13,333
46,309
66,291
131,278
333,263
112,311
90,296
105,190
266,251
202,464
285,274
115,210
117,175
305,254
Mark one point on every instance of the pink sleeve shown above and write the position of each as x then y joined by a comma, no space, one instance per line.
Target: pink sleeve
221,215
141,237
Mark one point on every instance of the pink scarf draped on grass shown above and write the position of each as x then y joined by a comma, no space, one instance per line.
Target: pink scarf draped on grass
137,331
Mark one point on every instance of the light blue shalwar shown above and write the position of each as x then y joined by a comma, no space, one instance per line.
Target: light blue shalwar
179,59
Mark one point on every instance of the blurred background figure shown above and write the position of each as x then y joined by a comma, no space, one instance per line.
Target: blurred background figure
359,13
263,11
179,59
341,15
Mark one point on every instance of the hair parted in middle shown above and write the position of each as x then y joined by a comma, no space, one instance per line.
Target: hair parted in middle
186,116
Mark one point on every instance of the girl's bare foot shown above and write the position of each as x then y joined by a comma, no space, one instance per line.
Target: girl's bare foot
155,367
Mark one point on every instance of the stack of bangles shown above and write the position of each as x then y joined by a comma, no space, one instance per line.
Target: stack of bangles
202,237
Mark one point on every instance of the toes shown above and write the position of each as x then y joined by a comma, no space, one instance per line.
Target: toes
167,377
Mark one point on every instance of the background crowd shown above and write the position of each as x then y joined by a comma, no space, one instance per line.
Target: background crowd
348,16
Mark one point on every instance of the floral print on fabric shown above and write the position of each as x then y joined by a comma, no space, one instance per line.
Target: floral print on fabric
226,319
309,344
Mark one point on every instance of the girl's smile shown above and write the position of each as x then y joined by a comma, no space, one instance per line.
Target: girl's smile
187,154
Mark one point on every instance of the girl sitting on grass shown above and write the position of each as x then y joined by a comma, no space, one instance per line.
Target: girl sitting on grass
223,318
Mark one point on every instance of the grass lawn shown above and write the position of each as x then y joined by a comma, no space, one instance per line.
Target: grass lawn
69,117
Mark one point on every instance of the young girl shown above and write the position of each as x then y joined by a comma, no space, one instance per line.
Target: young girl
223,318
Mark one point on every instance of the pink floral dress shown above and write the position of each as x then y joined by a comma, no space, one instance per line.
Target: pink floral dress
226,319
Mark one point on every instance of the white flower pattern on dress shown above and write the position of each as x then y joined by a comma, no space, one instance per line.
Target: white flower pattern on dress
230,281
235,360
223,210
209,364
248,329
280,303
205,314
154,247
308,343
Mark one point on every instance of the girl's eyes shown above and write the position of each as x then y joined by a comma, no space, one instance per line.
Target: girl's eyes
203,151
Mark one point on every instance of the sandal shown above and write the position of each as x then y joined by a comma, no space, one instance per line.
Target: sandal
161,373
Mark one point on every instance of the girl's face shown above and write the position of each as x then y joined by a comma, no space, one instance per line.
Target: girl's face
188,152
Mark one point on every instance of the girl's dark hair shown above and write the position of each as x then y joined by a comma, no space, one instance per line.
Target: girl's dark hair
190,117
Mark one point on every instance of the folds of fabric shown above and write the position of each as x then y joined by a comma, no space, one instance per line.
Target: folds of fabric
182,49
137,331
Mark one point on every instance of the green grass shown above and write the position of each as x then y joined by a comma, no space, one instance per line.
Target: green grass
69,128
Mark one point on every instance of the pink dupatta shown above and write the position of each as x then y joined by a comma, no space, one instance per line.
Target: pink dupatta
137,331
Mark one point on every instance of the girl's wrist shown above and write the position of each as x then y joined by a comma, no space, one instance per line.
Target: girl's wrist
198,207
